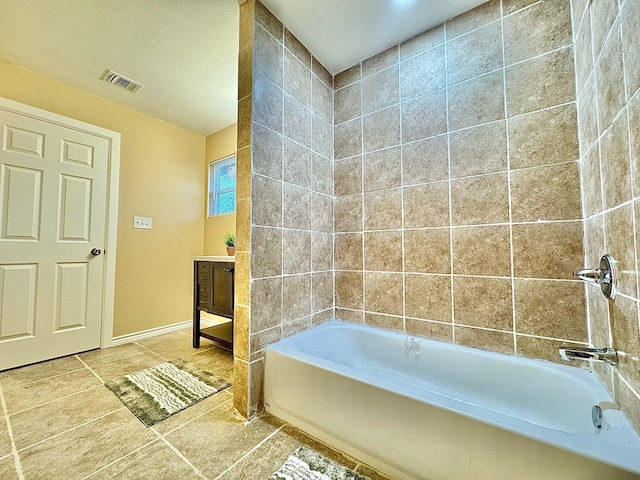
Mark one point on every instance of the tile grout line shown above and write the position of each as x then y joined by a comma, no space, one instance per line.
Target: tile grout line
574,36
333,205
449,180
72,428
54,400
506,127
475,327
151,351
262,442
503,277
612,209
461,177
91,369
191,420
133,452
402,226
600,135
45,378
128,355
195,469
312,194
598,143
627,384
462,129
362,195
14,449
441,227
285,138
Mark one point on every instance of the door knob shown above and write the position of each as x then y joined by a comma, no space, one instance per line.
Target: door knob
95,252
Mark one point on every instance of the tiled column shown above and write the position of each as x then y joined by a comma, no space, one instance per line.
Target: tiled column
285,206
242,312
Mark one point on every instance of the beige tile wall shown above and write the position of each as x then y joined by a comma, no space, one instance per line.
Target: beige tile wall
607,39
285,244
461,190
458,211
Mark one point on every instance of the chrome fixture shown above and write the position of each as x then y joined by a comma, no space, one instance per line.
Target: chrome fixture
608,355
605,276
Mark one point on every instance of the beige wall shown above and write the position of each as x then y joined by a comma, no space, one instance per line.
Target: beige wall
219,145
161,176
609,126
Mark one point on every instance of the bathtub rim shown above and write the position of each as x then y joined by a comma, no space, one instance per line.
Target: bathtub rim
606,443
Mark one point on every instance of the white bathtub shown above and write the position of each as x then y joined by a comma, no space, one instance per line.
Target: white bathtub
449,412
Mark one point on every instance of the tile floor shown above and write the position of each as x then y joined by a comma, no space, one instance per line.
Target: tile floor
60,422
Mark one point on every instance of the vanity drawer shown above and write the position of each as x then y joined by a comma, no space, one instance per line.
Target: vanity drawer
204,272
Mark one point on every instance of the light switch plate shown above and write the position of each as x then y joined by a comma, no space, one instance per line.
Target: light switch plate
142,222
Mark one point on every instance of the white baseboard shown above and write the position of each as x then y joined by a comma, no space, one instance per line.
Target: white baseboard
154,332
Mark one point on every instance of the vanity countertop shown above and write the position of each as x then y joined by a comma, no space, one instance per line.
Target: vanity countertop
214,259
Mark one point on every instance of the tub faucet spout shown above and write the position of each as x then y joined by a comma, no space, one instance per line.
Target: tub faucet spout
608,355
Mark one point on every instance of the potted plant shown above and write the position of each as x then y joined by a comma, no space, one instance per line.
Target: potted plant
229,240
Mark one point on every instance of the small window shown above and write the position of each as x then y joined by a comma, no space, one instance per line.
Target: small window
222,187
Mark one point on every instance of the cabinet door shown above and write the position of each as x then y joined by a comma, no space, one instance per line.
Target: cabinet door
222,299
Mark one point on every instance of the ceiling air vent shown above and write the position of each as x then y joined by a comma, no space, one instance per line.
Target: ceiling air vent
121,81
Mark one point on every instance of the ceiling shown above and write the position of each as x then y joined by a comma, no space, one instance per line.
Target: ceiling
185,52
341,33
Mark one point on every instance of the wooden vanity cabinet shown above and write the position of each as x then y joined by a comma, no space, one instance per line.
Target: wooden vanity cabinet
213,284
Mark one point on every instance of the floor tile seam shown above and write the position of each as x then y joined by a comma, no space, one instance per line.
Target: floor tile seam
171,356
91,370
106,361
133,452
45,378
76,427
217,369
54,400
151,351
3,403
190,421
201,349
14,449
175,450
157,349
251,451
214,369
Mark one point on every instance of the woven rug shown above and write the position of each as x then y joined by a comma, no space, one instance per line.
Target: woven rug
305,464
158,392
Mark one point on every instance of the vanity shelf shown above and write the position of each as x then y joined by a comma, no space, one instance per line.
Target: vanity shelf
213,281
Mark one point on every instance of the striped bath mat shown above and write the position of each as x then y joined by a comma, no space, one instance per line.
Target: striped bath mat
306,464
158,392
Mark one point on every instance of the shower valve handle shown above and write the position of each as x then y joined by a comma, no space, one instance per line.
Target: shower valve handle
605,276
591,275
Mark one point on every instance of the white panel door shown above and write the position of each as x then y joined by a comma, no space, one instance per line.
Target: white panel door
53,201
